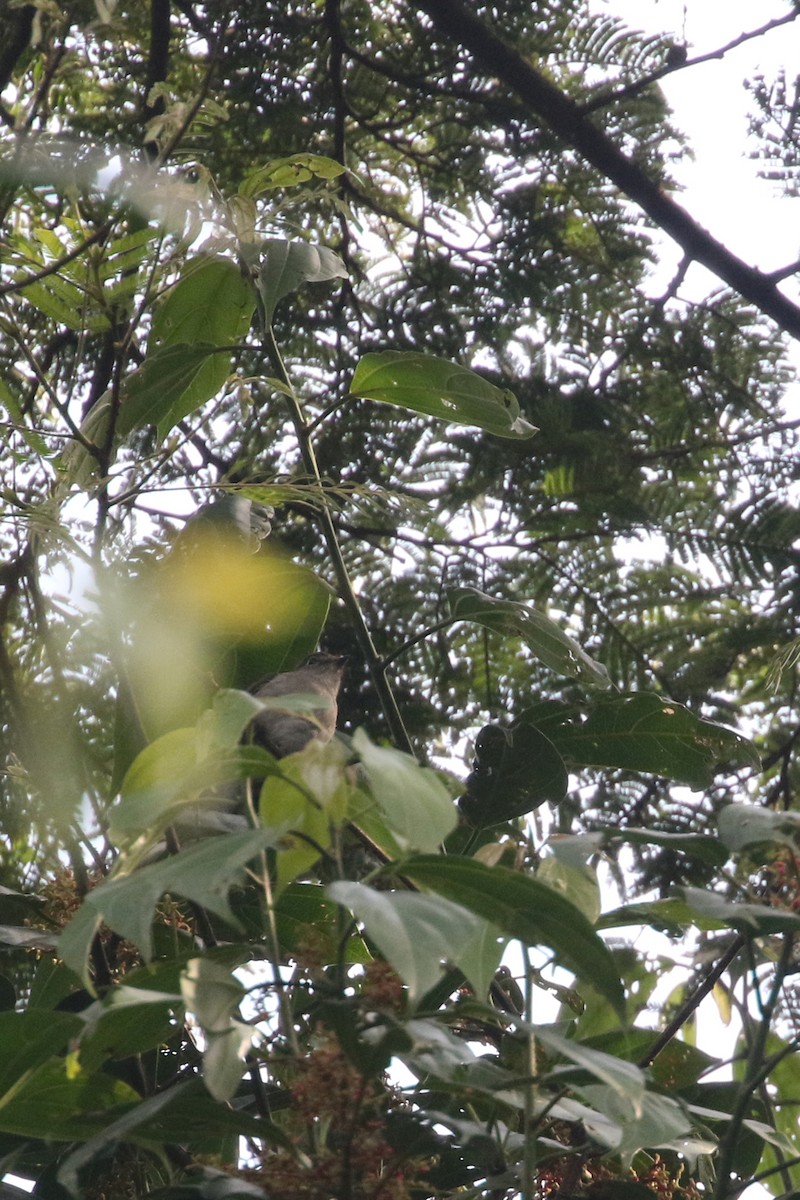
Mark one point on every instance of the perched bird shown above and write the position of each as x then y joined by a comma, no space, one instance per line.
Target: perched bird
284,732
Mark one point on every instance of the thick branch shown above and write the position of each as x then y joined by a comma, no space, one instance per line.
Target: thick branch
453,19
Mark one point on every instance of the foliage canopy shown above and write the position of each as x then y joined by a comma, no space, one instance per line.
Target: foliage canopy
336,323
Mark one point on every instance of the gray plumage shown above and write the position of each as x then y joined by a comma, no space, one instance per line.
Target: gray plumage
283,733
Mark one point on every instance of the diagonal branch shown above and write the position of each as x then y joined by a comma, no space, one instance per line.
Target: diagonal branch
455,21
608,96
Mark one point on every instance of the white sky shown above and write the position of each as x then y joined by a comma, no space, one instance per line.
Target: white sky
722,189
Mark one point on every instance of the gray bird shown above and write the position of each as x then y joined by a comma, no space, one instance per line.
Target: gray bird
283,733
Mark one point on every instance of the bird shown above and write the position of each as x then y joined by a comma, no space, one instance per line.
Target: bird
282,731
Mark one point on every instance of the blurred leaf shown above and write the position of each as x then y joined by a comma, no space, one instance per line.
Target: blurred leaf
30,1039
439,388
556,649
214,995
578,884
743,825
758,920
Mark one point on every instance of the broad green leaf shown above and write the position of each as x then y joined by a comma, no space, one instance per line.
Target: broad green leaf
671,916
758,920
622,1077
701,846
644,732
556,649
439,388
164,773
183,1114
211,306
285,265
160,391
214,995
223,1059
220,727
652,1122
523,908
67,1106
307,797
413,800
742,825
211,992
514,771
203,873
127,1021
420,935
578,884
30,1039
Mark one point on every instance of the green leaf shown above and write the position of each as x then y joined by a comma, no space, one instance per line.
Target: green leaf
211,992
649,1121
68,1106
523,908
644,732
695,845
289,172
578,884
743,825
671,916
30,1039
514,771
127,1021
214,995
211,306
161,391
622,1077
420,935
303,912
556,649
203,873
285,265
307,797
223,1060
758,920
413,800
439,388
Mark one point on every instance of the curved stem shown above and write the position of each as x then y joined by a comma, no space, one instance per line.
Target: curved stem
376,666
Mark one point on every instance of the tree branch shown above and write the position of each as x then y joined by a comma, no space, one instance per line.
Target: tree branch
455,21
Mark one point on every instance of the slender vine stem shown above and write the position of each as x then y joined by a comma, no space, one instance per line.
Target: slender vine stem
755,1073
377,666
